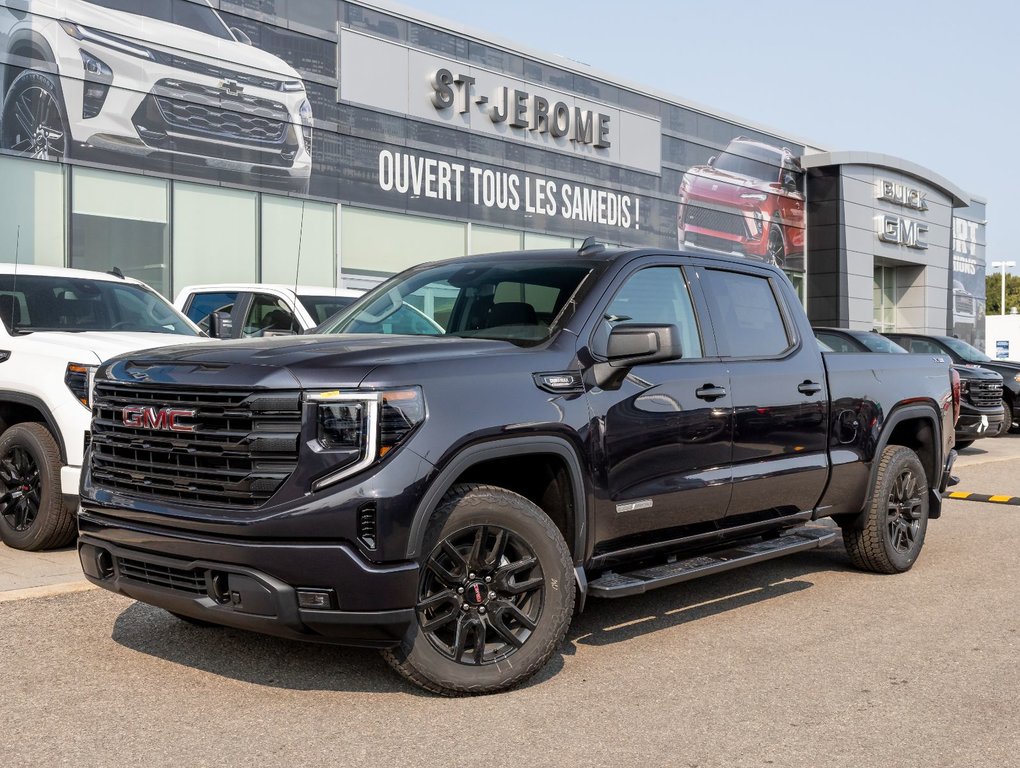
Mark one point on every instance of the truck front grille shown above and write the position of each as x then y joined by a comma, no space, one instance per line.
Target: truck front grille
243,446
985,394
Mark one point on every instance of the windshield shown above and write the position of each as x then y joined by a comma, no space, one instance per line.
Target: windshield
878,343
966,351
745,166
42,303
200,18
519,301
321,308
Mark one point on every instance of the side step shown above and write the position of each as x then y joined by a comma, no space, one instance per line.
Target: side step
611,584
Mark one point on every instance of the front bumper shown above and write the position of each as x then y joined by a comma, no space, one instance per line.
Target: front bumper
252,585
976,425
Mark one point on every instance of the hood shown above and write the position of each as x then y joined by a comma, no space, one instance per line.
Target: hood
179,40
975,372
90,347
1011,366
709,182
308,362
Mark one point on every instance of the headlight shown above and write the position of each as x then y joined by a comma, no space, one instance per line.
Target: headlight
1017,378
80,378
754,196
362,427
964,387
305,112
121,44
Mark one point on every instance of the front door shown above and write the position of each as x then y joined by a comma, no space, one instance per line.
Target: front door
665,433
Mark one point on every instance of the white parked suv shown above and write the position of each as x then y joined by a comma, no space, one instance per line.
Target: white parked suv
56,326
165,80
258,309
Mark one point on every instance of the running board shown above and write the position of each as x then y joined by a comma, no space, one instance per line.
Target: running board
611,584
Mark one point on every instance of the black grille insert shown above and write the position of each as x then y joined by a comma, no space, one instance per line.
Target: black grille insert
243,448
177,579
985,394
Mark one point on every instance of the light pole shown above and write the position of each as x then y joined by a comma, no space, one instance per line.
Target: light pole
1004,265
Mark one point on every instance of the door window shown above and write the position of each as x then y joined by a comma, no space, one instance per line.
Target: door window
658,296
268,316
746,315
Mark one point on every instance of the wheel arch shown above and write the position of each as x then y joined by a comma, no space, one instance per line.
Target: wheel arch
29,44
495,463
916,426
18,408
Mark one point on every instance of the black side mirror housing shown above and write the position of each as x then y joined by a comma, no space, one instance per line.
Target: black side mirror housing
220,325
636,344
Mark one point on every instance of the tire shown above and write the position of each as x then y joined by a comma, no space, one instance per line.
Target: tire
33,120
776,253
474,589
961,444
890,535
32,511
1007,419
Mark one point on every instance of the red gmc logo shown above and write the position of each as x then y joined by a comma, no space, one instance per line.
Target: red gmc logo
150,417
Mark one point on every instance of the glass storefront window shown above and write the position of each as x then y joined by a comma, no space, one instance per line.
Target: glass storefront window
494,239
215,235
885,299
535,241
298,241
121,220
377,242
32,218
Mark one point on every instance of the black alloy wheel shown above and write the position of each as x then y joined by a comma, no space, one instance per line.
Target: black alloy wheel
776,247
22,488
481,595
33,122
903,511
33,512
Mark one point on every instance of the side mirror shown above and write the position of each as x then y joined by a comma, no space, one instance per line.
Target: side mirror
220,325
636,344
711,160
241,36
789,182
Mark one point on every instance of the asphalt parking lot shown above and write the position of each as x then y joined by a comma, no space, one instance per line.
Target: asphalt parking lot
799,662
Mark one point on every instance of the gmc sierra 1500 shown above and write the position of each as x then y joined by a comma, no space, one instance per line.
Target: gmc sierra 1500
590,423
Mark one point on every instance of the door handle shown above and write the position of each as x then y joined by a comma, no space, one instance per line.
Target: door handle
710,392
809,387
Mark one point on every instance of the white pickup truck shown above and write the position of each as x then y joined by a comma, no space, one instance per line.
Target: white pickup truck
57,326
244,310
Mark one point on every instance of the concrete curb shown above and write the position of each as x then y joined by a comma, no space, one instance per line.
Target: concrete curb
46,591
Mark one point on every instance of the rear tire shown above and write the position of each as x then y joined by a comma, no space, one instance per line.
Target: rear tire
495,596
890,535
32,511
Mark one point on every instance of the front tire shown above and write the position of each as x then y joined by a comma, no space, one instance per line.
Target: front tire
889,537
776,247
495,595
33,120
32,511
1007,419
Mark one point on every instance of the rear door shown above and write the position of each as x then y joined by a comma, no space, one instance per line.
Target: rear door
777,389
665,433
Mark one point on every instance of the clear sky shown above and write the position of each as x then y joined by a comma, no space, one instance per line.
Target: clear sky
931,81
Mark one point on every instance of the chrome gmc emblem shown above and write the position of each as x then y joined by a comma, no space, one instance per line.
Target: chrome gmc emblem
165,419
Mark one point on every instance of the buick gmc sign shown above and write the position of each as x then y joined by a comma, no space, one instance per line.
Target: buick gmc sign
521,109
897,229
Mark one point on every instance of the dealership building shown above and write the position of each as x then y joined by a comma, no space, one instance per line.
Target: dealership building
329,142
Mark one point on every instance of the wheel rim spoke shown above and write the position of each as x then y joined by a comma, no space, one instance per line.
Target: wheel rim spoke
470,606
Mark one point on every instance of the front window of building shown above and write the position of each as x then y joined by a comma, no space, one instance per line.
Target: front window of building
885,299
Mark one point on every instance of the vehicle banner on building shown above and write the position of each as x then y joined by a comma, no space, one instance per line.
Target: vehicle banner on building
968,297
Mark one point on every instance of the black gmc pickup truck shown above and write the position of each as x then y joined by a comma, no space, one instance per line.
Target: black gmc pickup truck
566,425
